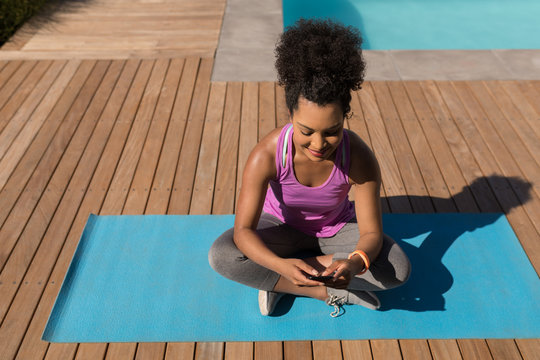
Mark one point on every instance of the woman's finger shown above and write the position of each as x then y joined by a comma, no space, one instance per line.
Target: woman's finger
329,270
307,268
341,270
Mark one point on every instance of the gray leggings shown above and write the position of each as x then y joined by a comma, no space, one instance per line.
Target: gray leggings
390,269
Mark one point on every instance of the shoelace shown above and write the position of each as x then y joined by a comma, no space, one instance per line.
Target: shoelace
337,302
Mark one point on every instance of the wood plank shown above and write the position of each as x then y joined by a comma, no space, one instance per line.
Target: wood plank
83,25
527,105
9,86
96,192
149,351
297,350
22,127
503,349
6,72
456,184
239,350
175,14
148,43
145,30
382,149
531,91
327,350
407,164
142,182
282,112
356,123
32,102
120,185
528,348
22,92
511,153
120,351
415,349
202,51
24,130
248,127
436,187
472,349
267,108
163,181
58,352
185,172
469,168
385,349
515,118
180,351
32,126
205,177
444,349
44,151
88,351
224,194
209,350
268,350
356,350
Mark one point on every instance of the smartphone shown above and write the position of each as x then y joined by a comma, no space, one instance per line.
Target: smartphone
321,278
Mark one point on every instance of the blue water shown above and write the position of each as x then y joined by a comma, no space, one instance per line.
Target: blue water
430,24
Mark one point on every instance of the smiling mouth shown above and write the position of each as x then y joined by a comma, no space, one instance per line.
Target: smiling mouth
316,153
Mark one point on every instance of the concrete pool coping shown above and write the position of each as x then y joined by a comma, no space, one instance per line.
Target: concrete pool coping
250,29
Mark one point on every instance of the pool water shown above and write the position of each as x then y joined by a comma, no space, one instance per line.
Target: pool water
430,24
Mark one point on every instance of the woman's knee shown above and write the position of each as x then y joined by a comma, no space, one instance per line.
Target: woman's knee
399,262
223,255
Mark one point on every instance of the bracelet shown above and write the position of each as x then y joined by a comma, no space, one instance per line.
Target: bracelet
364,257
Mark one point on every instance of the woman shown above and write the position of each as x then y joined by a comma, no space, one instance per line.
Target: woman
295,186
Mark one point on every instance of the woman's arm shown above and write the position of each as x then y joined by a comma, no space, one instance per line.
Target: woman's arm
259,170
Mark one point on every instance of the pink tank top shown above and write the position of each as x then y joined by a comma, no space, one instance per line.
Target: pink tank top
319,211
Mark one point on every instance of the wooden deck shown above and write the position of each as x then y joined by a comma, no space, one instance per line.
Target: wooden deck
120,29
157,137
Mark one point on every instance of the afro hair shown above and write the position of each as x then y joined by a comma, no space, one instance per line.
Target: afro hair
320,60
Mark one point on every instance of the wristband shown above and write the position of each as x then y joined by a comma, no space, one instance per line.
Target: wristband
364,257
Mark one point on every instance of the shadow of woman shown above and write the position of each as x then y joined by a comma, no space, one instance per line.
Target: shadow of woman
430,279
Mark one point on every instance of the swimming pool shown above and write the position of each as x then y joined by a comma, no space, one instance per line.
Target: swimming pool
430,24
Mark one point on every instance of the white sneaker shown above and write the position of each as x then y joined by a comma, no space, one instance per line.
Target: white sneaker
268,301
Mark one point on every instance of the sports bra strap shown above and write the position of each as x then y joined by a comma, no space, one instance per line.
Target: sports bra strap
285,141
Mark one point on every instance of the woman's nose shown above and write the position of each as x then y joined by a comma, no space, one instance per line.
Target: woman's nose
317,142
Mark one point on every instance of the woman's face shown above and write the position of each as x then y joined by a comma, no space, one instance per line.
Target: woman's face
318,130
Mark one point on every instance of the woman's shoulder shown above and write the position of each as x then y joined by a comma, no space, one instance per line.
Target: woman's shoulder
269,142
263,155
364,164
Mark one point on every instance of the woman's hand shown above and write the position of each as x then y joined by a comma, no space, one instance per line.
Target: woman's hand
297,272
344,271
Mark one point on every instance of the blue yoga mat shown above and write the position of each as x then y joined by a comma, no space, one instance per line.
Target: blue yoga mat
147,278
